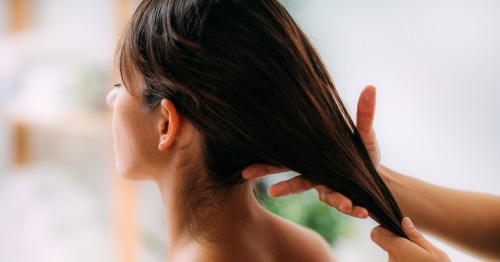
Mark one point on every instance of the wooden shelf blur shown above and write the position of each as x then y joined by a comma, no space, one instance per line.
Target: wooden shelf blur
20,143
92,124
20,15
86,122
127,235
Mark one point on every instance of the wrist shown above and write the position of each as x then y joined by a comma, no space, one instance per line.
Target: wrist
393,180
385,174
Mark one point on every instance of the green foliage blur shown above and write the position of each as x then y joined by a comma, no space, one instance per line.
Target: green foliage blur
306,210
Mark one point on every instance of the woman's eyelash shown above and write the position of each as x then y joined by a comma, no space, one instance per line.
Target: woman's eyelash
118,85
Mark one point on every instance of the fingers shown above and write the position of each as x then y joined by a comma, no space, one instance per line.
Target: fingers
396,246
387,240
415,236
417,248
366,110
364,122
295,185
300,184
358,212
260,170
340,202
334,199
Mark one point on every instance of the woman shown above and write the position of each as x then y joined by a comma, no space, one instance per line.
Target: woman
212,86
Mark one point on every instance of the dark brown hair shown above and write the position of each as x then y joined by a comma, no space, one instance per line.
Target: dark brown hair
248,79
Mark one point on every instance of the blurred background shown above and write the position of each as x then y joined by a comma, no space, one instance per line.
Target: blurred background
436,65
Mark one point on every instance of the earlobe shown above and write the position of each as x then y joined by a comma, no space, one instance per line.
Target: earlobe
169,125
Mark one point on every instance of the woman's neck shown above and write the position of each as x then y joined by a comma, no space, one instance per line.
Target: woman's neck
198,219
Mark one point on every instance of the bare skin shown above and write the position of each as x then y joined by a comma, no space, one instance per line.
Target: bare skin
163,146
415,248
475,223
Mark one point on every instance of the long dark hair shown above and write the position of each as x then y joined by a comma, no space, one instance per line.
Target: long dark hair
248,79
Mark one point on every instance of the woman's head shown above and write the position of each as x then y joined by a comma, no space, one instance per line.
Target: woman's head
240,71
246,78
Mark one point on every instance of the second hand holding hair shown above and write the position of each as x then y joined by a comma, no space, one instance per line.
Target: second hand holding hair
416,247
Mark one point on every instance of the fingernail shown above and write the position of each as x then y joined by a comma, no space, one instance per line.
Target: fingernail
277,192
247,173
407,222
322,196
344,208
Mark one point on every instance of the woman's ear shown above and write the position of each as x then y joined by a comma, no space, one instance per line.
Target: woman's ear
170,124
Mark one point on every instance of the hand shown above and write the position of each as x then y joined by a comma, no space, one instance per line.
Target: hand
364,123
417,248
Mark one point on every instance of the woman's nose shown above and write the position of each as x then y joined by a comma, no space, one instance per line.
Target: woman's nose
110,98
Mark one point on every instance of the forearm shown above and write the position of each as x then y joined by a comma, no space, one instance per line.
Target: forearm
469,220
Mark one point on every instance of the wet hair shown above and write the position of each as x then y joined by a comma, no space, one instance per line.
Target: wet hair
250,82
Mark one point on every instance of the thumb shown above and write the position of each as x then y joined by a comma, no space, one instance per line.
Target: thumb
386,239
415,236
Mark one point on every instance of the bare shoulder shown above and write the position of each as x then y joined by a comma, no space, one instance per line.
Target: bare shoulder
216,253
279,240
188,253
303,244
